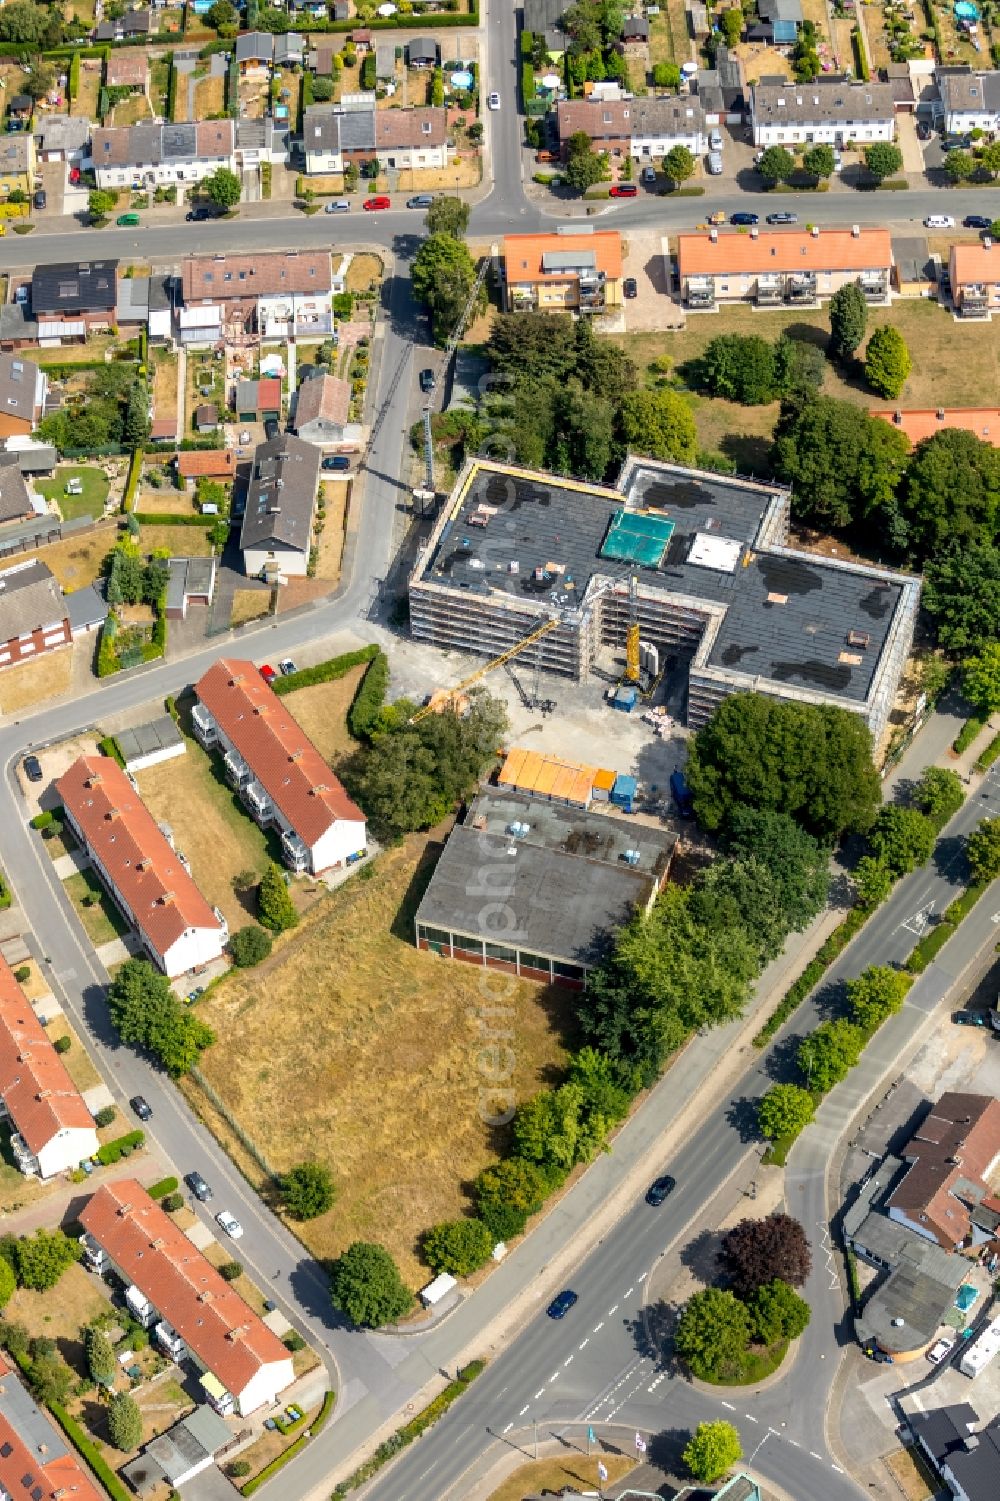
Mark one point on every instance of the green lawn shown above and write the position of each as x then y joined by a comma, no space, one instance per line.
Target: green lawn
101,920
89,503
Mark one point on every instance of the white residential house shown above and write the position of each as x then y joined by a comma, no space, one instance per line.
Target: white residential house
645,129
153,155
403,139
826,112
969,101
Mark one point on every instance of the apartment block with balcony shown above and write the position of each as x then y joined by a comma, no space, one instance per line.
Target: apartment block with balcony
563,273
782,268
975,279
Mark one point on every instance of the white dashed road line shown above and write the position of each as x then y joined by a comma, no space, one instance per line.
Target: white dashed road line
730,1406
630,1292
612,1311
750,1417
524,1409
567,1361
598,1327
508,1427
814,1455
584,1343
538,1394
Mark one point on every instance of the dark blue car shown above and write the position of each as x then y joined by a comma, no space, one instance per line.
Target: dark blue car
743,218
562,1303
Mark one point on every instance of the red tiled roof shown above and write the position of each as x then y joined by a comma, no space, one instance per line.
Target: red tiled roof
223,1332
786,250
212,461
39,1094
923,422
132,848
236,274
269,394
524,255
276,748
22,1467
957,1141
975,263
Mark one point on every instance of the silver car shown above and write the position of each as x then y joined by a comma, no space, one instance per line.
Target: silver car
337,206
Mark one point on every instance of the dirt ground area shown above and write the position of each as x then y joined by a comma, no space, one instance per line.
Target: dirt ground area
85,100
77,1060
322,713
345,999
210,97
75,561
548,1476
33,682
364,272
180,541
166,502
131,110
250,604
210,825
331,540
55,759
909,1473
463,171
165,384
763,62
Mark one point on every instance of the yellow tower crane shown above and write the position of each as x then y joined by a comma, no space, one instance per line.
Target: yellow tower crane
439,701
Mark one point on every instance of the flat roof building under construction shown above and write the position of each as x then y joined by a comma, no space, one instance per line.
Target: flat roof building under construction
715,578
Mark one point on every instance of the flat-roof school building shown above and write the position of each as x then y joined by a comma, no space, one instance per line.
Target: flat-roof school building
716,579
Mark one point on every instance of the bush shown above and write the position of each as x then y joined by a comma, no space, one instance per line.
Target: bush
250,946
230,1270
43,819
239,1467
307,1190
459,1247
105,1115
293,1340
22,973
274,903
63,1044
122,1146
163,1187
173,1202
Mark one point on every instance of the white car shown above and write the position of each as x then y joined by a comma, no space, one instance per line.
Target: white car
939,221
493,102
230,1224
938,1351
715,141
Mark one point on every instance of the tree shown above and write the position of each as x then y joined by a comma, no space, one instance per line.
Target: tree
962,592
508,1194
48,1375
584,166
443,276
731,22
275,908
819,161
99,202
740,367
873,880
776,1312
951,493
23,22
797,863
812,762
887,361
757,1251
981,679
322,90
784,1111
147,1013
667,76
557,1128
939,794
742,894
828,1054
250,946
713,1447
460,1247
8,1282
848,313
983,850
659,424
448,216
136,423
959,166
124,1422
776,164
223,16
876,994
307,1190
901,838
223,187
882,159
41,1259
366,1285
101,1362
679,164
712,1331
844,466
798,365
989,158
40,80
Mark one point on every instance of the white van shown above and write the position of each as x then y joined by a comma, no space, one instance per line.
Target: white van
715,140
715,163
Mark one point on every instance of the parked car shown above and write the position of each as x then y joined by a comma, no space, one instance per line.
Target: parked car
230,1224
715,140
546,156
336,461
630,287
127,221
141,1107
970,1018
337,206
660,1189
624,190
420,200
977,221
649,176
268,673
372,204
719,217
272,428
715,168
198,1187
940,1350
744,218
32,768
199,212
956,143
40,199
939,221
562,1303
493,100
427,380
783,217
21,295
287,667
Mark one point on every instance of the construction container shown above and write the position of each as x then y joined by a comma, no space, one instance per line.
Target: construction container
626,699
982,1350
623,792
604,781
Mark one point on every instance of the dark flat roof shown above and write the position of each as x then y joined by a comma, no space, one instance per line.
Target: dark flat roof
972,1453
74,287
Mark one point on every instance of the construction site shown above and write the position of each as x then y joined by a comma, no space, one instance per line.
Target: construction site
673,583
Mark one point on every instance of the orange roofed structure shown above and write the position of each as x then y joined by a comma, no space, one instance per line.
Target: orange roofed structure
580,273
975,279
782,267
918,423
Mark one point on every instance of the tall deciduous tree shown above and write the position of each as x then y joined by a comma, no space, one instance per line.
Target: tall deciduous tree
981,679
784,1111
882,159
798,863
952,492
776,1312
124,1422
147,1013
712,1331
223,187
41,1259
901,838
848,313
983,850
448,216
962,594
819,161
939,794
274,903
442,277
827,1054
740,367
776,164
307,1190
757,1251
366,1285
844,466
713,1447
887,361
583,166
877,994
508,1194
659,424
459,1247
679,164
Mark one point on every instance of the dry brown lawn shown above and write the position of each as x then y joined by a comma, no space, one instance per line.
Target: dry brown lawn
331,541
322,713
209,97
77,1061
181,541
76,560
166,502
552,1474
62,1314
462,172
85,101
131,110
34,986
210,825
364,272
351,1045
33,682
165,384
250,604
907,1469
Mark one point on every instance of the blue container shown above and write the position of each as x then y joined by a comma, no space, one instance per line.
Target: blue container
623,792
625,699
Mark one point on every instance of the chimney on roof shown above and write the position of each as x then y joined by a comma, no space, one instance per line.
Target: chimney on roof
713,235
167,898
814,231
897,416
754,232
43,1094
157,1244
94,780
112,814
855,231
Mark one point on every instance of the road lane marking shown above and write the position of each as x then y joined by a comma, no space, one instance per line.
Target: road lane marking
630,1291
553,1377
538,1394
598,1327
730,1406
584,1343
524,1409
813,1454
837,1468
794,1443
612,1311
508,1427
750,1417
567,1361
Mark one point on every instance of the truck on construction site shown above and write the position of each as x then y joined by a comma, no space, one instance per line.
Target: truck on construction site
981,1351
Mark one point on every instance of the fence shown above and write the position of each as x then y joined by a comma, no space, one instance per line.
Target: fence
217,1103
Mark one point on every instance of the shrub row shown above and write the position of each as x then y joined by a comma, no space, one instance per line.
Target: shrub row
989,755
320,1420
325,672
892,185
109,747
275,1465
89,1453
970,729
153,518
132,483
164,1187
59,370
812,974
122,1146
860,57
6,896
411,1430
370,697
928,947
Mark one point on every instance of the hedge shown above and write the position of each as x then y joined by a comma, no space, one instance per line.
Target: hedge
109,747
989,755
61,371
411,1430
153,518
171,90
527,82
811,975
527,44
369,698
89,1453
5,893
933,942
324,672
122,1146
73,87
164,1187
861,60
132,483
319,1421
970,729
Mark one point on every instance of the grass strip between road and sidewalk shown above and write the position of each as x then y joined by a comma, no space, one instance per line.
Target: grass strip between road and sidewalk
404,1436
989,755
810,977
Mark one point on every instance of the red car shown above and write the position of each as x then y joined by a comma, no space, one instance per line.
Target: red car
381,201
624,190
268,673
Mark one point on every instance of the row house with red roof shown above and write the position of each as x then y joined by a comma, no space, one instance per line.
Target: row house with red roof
146,876
175,1291
281,777
53,1128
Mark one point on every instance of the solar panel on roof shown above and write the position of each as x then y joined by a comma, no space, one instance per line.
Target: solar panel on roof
637,537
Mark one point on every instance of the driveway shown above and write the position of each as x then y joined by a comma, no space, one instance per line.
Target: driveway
652,308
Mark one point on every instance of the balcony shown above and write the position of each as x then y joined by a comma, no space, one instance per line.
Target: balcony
140,1306
591,293
258,802
204,725
294,853
169,1341
974,300
874,286
27,1162
699,292
237,770
222,924
801,288
769,291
